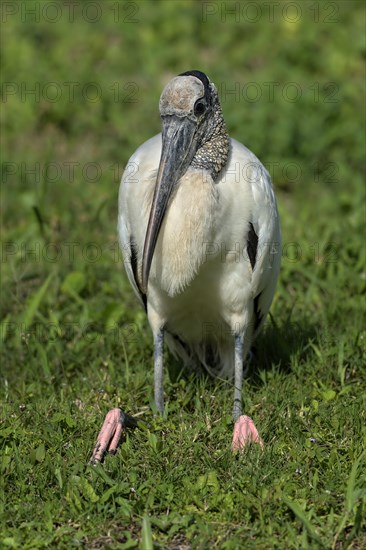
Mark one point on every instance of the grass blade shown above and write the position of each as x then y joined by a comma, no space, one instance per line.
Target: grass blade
350,492
301,515
34,303
146,534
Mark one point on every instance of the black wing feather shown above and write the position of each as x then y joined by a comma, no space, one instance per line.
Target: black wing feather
252,245
135,271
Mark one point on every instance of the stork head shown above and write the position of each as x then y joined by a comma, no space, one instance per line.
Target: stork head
194,134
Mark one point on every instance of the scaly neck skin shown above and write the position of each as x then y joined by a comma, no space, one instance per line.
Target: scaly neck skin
212,155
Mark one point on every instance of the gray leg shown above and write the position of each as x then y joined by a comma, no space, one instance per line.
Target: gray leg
158,371
238,365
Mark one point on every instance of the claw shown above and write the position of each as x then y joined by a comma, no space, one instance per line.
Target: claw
110,435
245,432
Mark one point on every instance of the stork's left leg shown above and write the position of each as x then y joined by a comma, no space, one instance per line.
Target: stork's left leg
244,429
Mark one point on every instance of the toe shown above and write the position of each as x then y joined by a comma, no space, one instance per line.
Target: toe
107,435
245,432
116,439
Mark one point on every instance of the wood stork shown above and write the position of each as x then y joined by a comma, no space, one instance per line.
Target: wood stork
200,234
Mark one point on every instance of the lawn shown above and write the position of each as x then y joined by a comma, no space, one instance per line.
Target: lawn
80,91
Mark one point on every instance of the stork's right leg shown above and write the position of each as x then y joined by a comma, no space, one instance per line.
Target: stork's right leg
113,430
158,370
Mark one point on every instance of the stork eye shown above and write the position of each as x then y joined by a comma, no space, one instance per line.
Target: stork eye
199,107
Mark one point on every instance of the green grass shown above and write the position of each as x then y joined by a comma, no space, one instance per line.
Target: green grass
74,340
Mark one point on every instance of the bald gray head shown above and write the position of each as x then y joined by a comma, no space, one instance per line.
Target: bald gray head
183,96
193,134
192,97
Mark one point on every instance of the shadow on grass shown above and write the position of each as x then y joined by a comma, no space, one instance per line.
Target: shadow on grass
275,347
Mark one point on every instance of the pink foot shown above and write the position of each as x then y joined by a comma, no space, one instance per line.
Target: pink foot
111,434
245,432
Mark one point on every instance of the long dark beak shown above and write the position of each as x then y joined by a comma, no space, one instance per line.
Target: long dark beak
178,149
